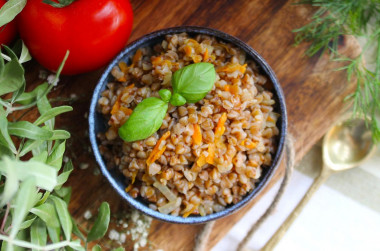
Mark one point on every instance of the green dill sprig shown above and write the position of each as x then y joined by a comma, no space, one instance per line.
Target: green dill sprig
360,18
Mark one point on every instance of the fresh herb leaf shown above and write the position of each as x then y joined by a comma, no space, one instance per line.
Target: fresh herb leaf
165,94
76,230
194,81
38,233
56,157
47,213
101,223
23,203
11,183
27,223
25,55
145,120
12,75
96,248
45,176
177,100
64,216
62,178
25,129
10,10
52,113
60,4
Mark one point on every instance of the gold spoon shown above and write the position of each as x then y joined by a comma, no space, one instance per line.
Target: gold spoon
346,145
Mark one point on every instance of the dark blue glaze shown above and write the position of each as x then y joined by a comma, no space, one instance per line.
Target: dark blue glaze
98,124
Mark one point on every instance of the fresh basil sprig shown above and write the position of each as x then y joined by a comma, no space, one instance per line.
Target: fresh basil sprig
190,84
194,81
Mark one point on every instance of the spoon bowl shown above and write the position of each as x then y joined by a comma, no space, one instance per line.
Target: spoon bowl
347,144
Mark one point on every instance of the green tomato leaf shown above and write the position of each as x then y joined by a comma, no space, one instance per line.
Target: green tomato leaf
10,10
44,176
101,223
145,120
47,213
38,233
11,183
194,81
61,4
64,216
62,178
26,196
55,158
165,94
96,248
25,129
52,113
177,100
12,77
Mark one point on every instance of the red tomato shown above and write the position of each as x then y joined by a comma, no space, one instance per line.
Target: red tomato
8,32
93,31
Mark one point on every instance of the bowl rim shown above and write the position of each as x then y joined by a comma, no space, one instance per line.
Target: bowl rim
277,90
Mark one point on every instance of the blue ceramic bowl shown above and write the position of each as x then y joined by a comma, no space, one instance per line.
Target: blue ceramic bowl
98,124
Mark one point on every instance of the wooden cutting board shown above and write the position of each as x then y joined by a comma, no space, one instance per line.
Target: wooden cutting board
314,93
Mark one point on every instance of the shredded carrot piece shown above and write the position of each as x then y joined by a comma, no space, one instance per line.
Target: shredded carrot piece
201,161
116,106
197,135
156,153
156,60
137,57
123,67
270,119
196,58
211,154
227,88
234,89
251,145
219,130
188,50
232,67
128,188
126,110
185,215
205,55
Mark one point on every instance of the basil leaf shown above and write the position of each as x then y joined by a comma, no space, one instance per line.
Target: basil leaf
101,223
64,216
165,94
177,100
12,74
25,129
194,81
38,233
10,10
145,120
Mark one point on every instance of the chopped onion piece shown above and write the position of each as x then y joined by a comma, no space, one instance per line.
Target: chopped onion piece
165,191
170,206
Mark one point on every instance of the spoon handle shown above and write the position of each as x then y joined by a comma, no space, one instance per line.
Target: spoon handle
325,173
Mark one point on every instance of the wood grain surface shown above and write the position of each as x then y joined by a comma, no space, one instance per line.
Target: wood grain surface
314,94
